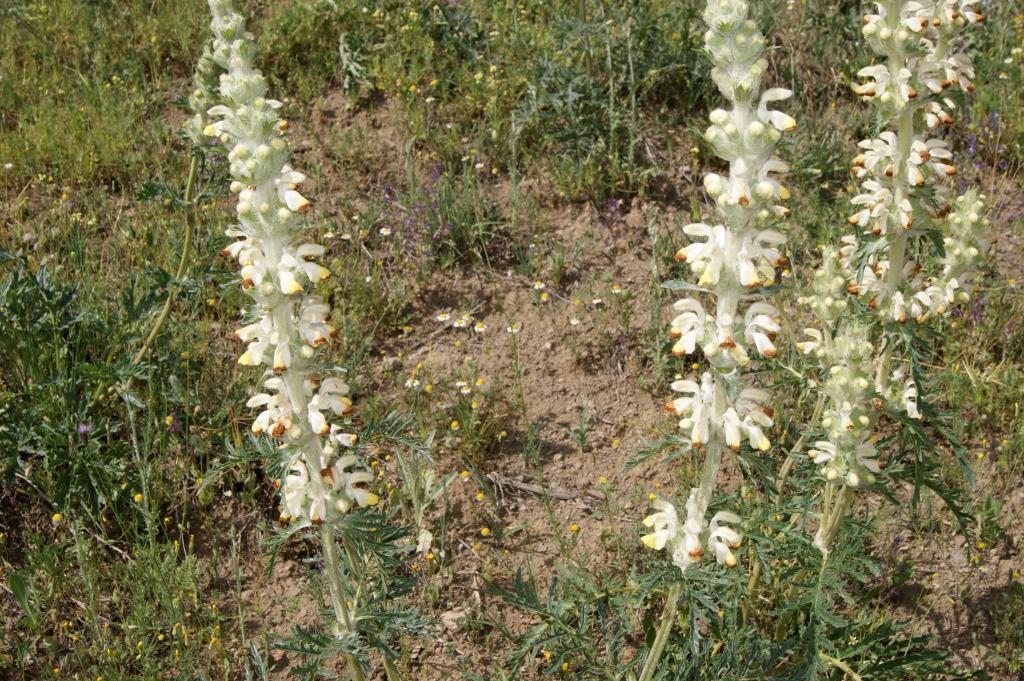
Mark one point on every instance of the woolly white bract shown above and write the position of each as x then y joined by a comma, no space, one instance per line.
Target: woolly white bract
732,261
287,324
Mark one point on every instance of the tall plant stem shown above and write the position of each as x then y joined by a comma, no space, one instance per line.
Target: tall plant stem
840,665
787,465
830,521
333,569
898,250
355,563
391,670
752,584
186,253
668,617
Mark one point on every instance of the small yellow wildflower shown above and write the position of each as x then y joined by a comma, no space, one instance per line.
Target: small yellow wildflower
574,528
485,531
169,419
602,480
455,425
137,498
57,518
479,496
464,475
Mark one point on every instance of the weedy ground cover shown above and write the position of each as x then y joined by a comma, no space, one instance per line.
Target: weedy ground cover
500,189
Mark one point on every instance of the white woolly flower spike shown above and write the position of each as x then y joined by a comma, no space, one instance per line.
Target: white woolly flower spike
734,260
287,324
905,175
891,263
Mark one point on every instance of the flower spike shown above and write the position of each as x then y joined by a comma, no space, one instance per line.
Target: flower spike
735,257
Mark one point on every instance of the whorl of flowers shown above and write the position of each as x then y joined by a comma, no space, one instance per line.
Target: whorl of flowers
287,325
733,261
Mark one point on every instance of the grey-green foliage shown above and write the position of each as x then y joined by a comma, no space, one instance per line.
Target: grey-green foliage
805,616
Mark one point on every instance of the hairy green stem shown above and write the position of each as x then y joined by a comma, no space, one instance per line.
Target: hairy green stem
344,621
186,253
391,670
840,665
904,140
752,584
353,559
668,617
829,527
788,464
